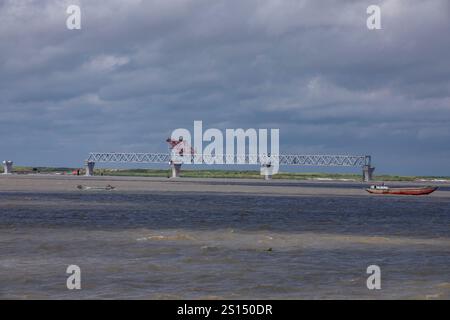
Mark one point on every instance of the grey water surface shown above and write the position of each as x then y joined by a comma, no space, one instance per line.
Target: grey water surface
192,245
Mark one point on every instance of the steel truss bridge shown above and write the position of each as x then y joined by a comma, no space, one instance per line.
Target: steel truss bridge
287,159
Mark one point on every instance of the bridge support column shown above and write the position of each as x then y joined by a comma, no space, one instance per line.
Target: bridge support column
266,171
368,173
7,167
176,169
90,168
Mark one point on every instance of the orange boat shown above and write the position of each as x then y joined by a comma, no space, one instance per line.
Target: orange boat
411,191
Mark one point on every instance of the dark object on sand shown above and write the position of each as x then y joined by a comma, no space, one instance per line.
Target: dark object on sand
107,188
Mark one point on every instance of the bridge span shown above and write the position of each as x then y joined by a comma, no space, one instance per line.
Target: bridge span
265,162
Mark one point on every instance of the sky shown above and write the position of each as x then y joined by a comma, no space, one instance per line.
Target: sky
136,70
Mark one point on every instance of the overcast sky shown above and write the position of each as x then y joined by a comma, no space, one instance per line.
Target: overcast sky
139,69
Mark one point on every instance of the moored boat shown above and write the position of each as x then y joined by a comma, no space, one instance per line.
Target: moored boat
411,191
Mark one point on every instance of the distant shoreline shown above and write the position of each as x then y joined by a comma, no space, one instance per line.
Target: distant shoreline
232,174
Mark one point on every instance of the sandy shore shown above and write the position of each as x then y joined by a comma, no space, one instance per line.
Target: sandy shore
56,183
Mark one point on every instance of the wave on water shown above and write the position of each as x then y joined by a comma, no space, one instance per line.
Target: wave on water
285,240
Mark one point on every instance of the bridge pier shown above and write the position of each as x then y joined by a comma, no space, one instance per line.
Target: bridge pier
90,168
266,171
176,170
368,173
7,167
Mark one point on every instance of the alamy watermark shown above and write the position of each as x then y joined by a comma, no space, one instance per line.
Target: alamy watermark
74,280
373,22
73,21
374,280
236,146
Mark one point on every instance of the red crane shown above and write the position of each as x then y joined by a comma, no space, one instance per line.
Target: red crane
179,147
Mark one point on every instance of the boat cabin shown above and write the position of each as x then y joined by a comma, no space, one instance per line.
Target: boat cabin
379,187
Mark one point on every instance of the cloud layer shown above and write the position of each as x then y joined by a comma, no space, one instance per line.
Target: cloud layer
139,69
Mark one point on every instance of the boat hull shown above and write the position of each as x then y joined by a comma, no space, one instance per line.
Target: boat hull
404,191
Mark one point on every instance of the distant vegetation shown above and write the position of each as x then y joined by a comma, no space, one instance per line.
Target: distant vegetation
248,174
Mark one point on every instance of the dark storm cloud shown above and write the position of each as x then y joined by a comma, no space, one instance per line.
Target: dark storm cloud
139,69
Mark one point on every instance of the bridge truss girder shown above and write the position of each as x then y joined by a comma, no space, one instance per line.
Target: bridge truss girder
291,159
